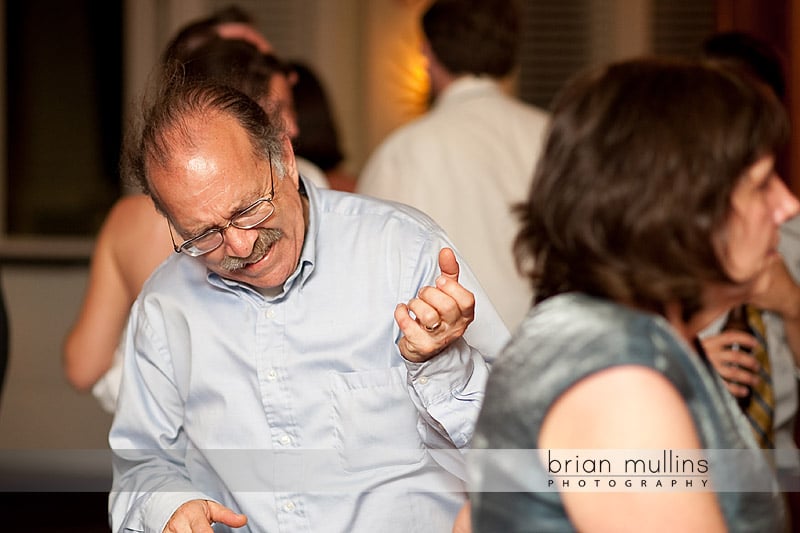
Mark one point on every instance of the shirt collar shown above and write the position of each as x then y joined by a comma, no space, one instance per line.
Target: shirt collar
467,87
308,254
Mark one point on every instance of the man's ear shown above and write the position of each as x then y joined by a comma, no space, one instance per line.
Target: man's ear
289,162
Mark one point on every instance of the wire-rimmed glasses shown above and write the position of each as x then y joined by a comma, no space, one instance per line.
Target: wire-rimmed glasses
248,218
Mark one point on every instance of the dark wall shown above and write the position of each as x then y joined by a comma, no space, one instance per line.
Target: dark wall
64,114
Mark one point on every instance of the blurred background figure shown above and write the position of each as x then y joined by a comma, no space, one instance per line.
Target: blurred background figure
134,237
317,139
472,156
129,246
779,303
230,22
234,24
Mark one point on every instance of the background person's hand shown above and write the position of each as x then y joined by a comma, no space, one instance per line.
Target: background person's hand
777,291
441,314
737,368
196,516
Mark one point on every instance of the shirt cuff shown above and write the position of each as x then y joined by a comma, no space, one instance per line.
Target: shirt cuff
448,390
438,378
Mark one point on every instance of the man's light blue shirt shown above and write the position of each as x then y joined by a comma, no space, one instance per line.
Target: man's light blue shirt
297,409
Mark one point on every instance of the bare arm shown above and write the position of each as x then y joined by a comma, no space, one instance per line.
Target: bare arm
131,243
463,521
629,407
89,346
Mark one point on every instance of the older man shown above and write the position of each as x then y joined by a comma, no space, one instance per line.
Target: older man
269,368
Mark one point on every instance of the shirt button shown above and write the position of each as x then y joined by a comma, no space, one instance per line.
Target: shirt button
423,380
270,313
285,440
272,375
288,507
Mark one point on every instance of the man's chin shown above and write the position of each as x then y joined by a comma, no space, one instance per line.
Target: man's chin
260,275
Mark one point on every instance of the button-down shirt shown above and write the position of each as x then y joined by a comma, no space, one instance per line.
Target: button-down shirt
297,409
782,359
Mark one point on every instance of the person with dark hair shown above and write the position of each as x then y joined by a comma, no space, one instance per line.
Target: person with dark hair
643,224
475,151
230,22
270,370
239,64
318,137
751,53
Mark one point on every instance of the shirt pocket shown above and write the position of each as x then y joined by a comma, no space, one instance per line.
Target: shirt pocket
375,423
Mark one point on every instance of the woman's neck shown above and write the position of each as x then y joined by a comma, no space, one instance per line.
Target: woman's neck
717,300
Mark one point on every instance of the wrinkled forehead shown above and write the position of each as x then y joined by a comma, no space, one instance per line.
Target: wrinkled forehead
196,151
190,132
204,187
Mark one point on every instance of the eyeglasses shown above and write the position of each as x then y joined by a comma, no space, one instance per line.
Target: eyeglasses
248,218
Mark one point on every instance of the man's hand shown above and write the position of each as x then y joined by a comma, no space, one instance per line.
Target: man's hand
737,368
196,516
441,314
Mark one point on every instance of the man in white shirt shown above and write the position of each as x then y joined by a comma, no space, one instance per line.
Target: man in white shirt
471,157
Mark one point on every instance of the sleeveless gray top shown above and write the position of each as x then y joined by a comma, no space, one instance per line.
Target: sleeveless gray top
561,341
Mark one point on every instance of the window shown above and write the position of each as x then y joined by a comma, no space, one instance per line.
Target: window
562,36
64,63
63,115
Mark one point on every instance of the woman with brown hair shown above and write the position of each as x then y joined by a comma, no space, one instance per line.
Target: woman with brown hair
654,209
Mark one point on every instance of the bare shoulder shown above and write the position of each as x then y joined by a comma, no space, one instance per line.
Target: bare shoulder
620,407
133,219
138,238
629,407
136,208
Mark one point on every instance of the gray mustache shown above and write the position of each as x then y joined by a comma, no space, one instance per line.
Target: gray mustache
266,238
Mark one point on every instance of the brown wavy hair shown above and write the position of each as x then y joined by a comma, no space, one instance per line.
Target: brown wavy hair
632,192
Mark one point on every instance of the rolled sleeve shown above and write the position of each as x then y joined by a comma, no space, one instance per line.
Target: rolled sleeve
448,390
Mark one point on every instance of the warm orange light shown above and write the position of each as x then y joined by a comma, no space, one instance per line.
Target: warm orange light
409,74
397,75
